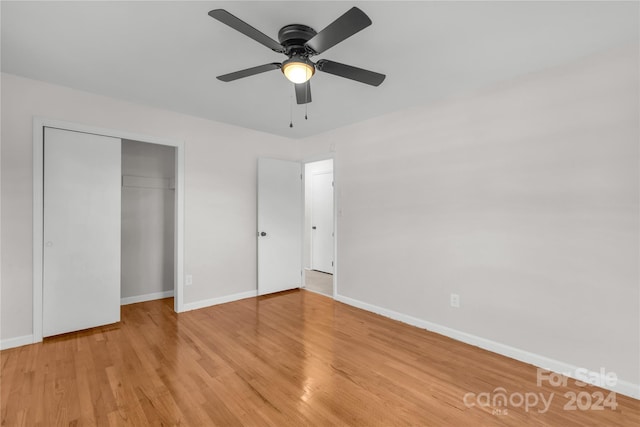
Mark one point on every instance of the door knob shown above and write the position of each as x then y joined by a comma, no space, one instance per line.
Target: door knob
49,244
313,228
262,233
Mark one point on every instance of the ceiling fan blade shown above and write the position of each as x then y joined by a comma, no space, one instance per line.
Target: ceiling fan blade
246,29
303,92
249,72
342,28
349,72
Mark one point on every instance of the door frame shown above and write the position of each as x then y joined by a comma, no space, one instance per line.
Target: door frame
39,123
317,158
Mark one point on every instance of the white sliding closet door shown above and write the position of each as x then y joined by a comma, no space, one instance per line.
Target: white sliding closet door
82,194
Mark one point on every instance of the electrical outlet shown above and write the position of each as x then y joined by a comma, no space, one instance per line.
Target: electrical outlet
188,280
455,300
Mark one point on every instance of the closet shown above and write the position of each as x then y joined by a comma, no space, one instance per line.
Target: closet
108,227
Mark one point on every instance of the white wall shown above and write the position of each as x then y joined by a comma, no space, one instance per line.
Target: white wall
523,199
309,170
220,189
147,219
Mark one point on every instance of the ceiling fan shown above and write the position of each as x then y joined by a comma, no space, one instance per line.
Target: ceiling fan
299,43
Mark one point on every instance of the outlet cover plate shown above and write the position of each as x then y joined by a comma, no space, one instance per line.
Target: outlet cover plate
455,300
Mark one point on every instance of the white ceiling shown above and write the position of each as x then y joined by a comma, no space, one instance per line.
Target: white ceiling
167,54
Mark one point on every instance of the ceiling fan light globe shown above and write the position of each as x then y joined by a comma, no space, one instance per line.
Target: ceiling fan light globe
298,72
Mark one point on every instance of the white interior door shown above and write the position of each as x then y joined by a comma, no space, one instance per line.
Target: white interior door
322,222
81,269
279,225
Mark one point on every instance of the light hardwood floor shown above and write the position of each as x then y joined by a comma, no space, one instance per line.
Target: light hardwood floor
290,359
318,281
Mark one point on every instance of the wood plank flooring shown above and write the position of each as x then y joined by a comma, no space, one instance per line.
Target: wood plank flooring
291,359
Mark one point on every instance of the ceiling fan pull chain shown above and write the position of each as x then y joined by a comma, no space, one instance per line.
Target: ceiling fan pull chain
306,97
291,110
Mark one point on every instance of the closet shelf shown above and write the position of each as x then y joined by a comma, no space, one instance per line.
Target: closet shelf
129,181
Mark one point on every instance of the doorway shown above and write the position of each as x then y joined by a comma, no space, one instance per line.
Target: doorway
319,235
147,226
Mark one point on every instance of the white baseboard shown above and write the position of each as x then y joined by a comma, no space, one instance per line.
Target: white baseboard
146,297
16,342
626,388
220,300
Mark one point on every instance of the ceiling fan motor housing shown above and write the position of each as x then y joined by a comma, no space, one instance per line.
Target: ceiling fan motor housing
293,38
